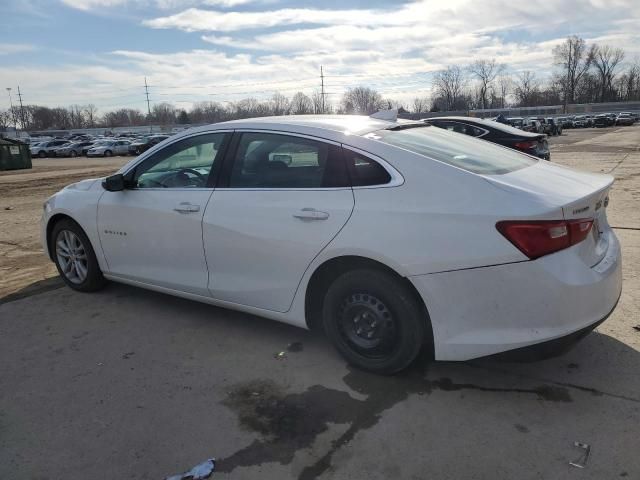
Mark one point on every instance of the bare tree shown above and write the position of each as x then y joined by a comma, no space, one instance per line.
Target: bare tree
606,59
505,85
420,105
574,58
485,72
526,88
5,119
279,104
300,104
449,85
164,113
362,100
91,114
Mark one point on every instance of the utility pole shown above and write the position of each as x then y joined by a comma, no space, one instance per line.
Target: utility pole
322,88
21,109
146,89
15,123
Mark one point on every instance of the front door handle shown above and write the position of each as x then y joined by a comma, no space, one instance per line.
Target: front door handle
311,214
186,207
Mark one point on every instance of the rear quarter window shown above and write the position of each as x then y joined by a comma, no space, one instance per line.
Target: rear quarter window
470,154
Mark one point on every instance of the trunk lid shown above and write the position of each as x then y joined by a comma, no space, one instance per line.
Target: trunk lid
578,194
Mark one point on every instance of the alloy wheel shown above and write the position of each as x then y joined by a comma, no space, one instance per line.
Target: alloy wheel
72,257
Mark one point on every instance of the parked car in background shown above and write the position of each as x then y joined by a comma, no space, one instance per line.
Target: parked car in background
566,122
631,114
531,143
625,119
602,120
555,126
532,125
579,121
478,249
73,149
589,120
109,148
516,122
42,149
142,145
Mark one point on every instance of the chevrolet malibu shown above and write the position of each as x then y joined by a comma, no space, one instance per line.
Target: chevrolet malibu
392,236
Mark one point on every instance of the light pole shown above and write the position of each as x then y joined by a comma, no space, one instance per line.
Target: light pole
15,124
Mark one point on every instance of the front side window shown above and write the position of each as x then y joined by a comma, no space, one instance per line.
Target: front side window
267,160
185,164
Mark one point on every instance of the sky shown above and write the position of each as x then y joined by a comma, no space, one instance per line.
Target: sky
63,52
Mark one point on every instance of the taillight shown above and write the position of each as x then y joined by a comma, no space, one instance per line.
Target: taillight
526,145
542,237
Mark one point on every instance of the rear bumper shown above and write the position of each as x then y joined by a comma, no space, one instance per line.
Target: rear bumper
550,348
483,311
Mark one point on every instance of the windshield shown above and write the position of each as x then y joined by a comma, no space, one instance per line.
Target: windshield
462,151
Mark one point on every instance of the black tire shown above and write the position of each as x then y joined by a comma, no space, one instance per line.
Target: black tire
94,279
378,302
108,153
42,154
73,153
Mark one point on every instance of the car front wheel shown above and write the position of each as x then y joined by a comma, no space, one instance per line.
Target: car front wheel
108,153
74,257
374,321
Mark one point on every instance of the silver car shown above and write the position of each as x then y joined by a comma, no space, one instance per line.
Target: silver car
109,148
71,149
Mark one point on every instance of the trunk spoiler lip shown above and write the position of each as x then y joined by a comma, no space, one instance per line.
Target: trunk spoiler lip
591,184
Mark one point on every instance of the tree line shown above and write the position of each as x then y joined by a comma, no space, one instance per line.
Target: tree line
582,74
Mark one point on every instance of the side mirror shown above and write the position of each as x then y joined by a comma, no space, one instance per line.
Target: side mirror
114,183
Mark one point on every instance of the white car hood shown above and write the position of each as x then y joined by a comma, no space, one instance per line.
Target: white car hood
83,185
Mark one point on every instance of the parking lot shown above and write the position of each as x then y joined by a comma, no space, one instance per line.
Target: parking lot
128,383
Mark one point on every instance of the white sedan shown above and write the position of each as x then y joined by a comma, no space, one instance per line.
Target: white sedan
391,235
108,148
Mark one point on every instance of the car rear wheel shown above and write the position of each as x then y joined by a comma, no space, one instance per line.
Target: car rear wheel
42,154
74,257
108,153
73,153
374,321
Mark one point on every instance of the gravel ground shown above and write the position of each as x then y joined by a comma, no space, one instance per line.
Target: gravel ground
128,383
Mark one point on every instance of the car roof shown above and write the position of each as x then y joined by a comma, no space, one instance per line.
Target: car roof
332,127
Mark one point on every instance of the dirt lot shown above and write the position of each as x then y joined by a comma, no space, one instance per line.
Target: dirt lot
22,193
128,383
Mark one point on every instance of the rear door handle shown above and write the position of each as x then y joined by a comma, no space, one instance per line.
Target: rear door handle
311,214
186,207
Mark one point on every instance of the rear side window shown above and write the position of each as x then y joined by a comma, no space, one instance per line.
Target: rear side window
476,156
365,171
267,160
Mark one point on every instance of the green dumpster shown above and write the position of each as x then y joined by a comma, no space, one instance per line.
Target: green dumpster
14,154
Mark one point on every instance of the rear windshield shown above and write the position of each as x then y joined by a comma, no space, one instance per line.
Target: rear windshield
471,154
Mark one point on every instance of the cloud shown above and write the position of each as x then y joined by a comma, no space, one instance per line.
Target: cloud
93,4
9,48
88,5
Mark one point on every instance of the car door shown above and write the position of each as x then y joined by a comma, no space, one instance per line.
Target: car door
122,147
282,198
152,231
